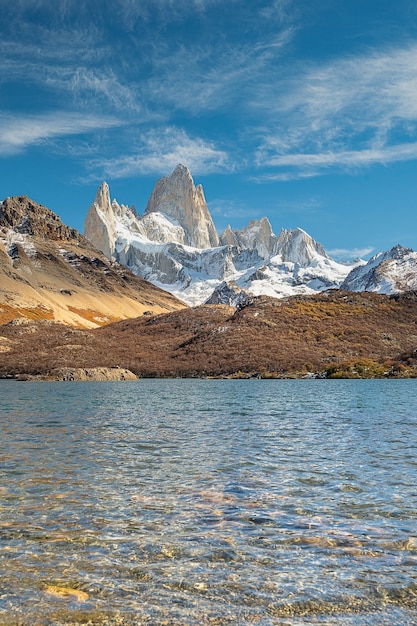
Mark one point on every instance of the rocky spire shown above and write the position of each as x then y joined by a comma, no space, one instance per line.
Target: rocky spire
100,222
177,197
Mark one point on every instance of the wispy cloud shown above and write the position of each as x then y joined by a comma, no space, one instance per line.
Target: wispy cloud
98,89
72,57
308,163
350,253
17,133
129,11
230,210
207,78
350,113
159,151
285,119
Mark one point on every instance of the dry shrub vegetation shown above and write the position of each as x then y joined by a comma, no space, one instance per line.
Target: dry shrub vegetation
334,334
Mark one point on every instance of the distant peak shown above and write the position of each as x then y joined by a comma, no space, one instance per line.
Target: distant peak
102,199
299,247
399,251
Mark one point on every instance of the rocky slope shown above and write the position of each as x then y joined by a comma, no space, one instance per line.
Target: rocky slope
174,244
334,333
49,271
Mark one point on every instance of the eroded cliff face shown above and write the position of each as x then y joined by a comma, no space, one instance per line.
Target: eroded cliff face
177,197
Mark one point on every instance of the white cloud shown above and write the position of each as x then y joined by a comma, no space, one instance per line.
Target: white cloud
374,89
350,253
160,151
17,133
203,78
306,165
90,87
350,113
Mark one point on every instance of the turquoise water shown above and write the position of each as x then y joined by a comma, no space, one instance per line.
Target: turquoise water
208,502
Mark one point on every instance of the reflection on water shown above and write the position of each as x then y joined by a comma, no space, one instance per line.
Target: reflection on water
208,502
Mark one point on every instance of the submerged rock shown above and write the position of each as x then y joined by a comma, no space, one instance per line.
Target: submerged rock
66,593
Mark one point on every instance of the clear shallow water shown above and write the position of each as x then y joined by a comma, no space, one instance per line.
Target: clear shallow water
208,502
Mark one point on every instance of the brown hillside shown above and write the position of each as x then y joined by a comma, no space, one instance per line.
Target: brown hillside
49,271
339,333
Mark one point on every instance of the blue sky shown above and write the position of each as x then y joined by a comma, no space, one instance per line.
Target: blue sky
302,111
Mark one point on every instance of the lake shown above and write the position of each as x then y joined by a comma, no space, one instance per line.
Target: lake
208,502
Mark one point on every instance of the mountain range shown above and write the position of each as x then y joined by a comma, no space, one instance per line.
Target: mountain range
68,310
175,245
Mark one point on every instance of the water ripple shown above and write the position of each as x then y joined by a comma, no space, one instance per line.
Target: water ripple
208,502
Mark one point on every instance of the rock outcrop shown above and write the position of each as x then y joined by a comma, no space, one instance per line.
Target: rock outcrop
229,293
90,374
257,236
25,217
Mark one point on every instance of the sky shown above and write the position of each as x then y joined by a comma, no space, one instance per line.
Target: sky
303,112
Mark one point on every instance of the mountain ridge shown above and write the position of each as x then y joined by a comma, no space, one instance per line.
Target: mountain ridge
50,271
50,275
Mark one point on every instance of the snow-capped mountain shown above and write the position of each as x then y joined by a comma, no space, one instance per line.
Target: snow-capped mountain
174,244
386,272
